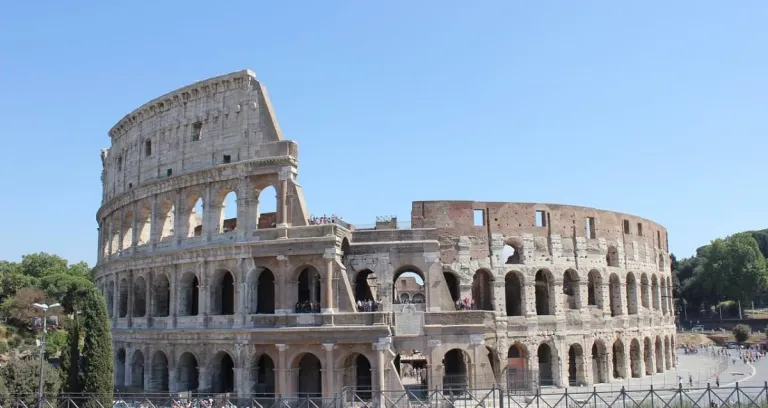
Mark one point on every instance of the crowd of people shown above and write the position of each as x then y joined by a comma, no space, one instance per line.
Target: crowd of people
307,307
465,304
315,220
368,305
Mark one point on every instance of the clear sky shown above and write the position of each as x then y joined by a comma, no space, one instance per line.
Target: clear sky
653,108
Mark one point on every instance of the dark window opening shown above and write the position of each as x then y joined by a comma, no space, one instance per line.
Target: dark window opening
640,229
148,148
119,163
227,159
658,239
591,228
130,186
169,172
627,229
197,131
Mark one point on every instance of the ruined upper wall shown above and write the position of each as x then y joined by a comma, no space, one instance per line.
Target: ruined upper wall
225,119
513,221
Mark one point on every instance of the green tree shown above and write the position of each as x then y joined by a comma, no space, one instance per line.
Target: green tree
97,365
68,289
43,264
19,309
20,379
70,359
80,269
741,332
12,279
735,268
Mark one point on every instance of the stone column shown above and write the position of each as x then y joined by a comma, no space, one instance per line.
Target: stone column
529,298
328,371
130,298
134,225
120,232
148,297
115,297
128,375
282,305
381,348
327,301
173,298
241,387
202,379
283,215
282,371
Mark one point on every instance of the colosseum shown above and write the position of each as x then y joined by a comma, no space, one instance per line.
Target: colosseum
511,295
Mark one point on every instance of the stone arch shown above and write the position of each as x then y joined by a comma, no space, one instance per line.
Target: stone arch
513,290
453,285
418,298
518,377
408,271
137,370
612,256
123,298
599,362
263,378
615,295
161,296
659,348
619,359
631,286
648,356
187,372
482,290
159,372
595,289
308,290
139,297
512,252
357,375
144,223
309,375
667,353
195,208
547,364
365,285
223,293
127,230
664,300
120,367
545,292
405,298
221,371
267,207
655,292
189,295
110,298
456,370
166,212
644,291
227,221
261,291
571,292
577,368
635,358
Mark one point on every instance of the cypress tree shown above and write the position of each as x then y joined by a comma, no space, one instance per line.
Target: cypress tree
70,359
98,367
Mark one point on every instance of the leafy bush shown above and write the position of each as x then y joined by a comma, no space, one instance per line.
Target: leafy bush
741,332
20,377
55,341
13,342
4,347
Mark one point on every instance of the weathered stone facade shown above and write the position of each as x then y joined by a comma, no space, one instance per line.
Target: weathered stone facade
266,303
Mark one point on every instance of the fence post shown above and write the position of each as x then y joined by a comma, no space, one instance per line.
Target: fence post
738,397
623,397
709,394
680,390
652,393
502,397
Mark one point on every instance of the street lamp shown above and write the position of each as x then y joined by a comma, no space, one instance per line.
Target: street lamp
44,307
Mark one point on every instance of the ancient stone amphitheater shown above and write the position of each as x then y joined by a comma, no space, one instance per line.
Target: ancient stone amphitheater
511,295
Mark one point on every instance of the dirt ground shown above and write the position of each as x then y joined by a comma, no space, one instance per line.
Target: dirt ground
694,339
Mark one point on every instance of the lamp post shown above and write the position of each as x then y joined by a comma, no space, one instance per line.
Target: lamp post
44,307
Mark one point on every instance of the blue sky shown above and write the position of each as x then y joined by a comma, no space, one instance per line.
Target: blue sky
652,108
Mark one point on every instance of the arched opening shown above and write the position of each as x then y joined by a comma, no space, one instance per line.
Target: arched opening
655,291
482,292
511,254
144,223
571,290
576,368
267,208
619,360
667,354
187,376
599,362
263,376
357,376
546,362
407,280
456,378
644,292
453,285
631,294
139,297
544,292
161,296
612,257
195,221
615,291
364,291
518,377
158,374
110,298
418,298
166,211
120,368
261,291
309,291
595,289
310,376
228,218
223,294
114,228
648,356
123,305
127,230
137,370
189,292
405,298
659,355
635,358
513,291
664,302
222,373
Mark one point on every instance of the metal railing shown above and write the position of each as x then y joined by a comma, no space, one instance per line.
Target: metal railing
676,397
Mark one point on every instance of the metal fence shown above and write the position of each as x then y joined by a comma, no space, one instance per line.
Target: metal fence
709,397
